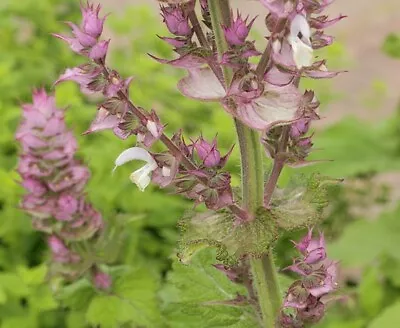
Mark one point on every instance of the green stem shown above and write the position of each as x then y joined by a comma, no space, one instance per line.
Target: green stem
263,269
221,15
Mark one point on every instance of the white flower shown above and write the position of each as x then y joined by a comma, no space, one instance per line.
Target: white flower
300,40
140,177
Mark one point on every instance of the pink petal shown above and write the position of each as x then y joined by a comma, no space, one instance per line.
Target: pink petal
202,84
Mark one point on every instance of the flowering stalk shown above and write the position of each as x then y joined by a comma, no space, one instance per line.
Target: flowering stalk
304,302
264,272
268,108
55,183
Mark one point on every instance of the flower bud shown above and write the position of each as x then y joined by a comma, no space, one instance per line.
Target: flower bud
238,31
176,20
207,152
91,23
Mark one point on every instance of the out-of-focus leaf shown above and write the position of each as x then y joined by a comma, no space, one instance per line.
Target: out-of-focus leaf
371,293
363,241
390,317
391,46
355,148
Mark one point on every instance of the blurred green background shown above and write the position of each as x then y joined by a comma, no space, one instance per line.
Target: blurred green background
361,133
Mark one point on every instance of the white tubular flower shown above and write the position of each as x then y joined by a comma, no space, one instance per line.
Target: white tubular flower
140,177
300,40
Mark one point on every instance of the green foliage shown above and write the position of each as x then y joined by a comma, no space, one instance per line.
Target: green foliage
200,296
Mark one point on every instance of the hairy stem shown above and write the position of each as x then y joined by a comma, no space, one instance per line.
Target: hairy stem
279,163
204,43
198,30
221,15
263,270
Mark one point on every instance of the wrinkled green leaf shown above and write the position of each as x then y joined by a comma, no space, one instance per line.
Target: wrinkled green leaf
301,203
195,293
231,239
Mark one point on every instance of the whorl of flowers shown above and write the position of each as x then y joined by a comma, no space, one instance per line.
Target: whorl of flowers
54,179
305,300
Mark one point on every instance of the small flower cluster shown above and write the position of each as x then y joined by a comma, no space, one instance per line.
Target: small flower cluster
54,180
307,296
203,184
85,38
193,170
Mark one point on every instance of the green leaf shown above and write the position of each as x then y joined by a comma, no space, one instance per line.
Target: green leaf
77,295
371,293
232,240
42,299
390,317
391,269
138,289
391,46
76,319
109,311
33,276
13,284
195,294
300,204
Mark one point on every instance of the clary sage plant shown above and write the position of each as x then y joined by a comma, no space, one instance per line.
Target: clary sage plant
272,115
